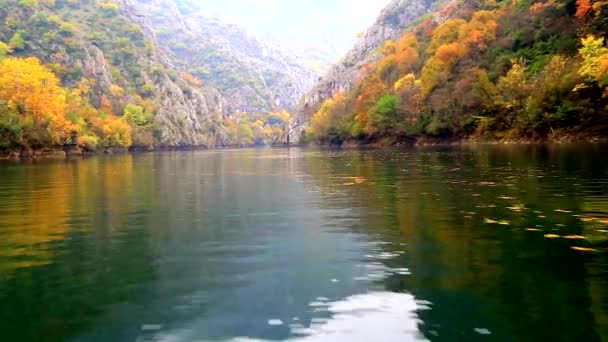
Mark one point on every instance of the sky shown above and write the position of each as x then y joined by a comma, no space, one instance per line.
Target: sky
328,24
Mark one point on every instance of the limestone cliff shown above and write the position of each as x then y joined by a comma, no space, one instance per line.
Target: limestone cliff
252,74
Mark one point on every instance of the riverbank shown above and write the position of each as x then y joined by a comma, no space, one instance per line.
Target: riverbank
61,152
560,137
71,151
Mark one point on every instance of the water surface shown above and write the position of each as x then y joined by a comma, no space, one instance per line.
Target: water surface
470,244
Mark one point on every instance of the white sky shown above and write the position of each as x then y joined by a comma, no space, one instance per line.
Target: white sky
329,24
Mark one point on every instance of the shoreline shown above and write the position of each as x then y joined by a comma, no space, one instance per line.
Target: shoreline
65,152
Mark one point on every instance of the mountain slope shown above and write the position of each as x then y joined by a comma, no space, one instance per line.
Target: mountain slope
254,75
394,18
139,73
507,70
109,50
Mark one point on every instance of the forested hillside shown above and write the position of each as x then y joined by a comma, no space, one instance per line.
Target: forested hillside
485,70
137,74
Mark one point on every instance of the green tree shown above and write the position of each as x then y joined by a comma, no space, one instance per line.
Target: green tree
17,42
385,115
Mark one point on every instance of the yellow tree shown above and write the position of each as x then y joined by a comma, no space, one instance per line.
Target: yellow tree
34,92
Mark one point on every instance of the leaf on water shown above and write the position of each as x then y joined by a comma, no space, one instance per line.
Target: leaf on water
490,221
552,236
584,249
574,237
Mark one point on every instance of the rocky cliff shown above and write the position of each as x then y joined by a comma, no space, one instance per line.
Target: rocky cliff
253,74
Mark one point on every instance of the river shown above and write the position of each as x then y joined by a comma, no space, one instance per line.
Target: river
480,243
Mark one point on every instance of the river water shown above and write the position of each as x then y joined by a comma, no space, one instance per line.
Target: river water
495,243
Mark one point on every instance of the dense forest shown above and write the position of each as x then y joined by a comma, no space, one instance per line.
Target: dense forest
480,70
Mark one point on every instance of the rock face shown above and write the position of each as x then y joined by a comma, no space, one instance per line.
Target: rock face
252,74
395,17
186,118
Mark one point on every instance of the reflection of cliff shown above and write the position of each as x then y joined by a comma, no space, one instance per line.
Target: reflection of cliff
439,204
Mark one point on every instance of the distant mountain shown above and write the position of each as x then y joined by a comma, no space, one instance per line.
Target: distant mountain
252,73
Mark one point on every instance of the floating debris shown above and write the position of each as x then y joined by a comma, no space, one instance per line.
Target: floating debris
574,237
563,211
584,249
552,236
483,331
533,229
487,183
501,222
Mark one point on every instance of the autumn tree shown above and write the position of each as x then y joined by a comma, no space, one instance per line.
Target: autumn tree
332,119
595,60
34,92
370,91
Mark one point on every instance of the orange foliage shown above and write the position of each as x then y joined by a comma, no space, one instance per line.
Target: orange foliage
398,58
583,8
370,91
106,106
448,53
191,79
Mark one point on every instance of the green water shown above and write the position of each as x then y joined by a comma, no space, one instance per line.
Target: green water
399,245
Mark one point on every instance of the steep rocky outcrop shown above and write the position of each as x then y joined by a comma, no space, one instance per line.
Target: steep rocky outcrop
251,73
394,18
